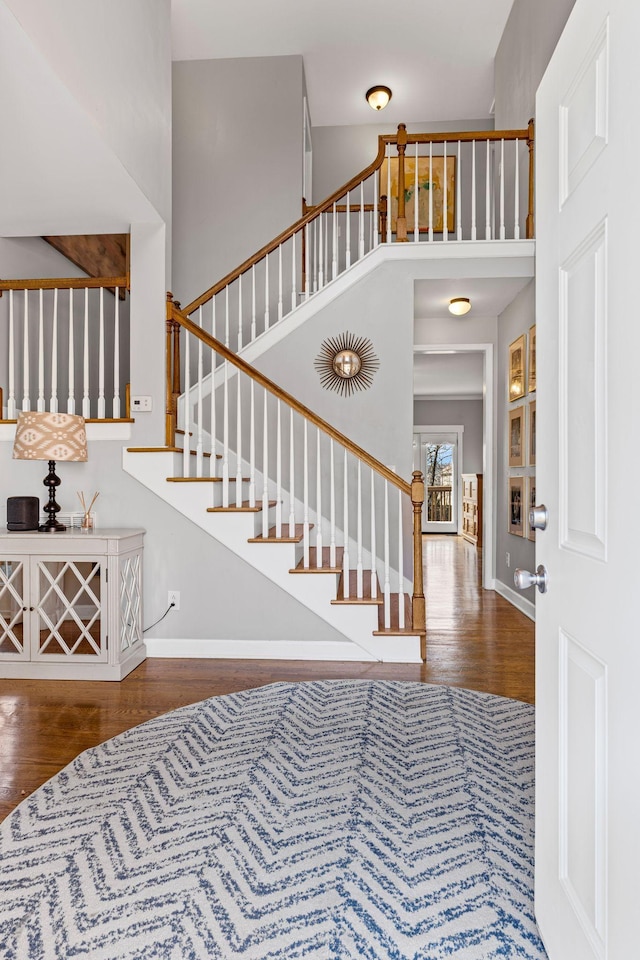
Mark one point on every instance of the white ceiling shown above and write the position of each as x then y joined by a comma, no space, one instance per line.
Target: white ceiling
488,295
458,375
435,55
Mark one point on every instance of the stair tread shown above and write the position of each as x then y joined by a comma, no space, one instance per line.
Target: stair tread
204,479
243,508
326,562
353,589
394,630
167,450
284,538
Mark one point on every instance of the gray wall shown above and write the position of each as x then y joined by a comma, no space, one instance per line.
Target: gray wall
529,39
514,321
339,153
237,163
430,411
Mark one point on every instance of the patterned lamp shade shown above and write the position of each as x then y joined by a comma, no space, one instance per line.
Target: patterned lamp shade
50,436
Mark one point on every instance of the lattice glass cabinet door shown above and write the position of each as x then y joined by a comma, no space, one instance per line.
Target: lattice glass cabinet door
13,608
68,607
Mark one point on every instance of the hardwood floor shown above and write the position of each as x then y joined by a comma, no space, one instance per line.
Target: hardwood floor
475,639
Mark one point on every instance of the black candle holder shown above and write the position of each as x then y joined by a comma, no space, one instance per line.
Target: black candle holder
51,508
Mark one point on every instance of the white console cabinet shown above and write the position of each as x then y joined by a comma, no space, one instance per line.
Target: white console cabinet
71,604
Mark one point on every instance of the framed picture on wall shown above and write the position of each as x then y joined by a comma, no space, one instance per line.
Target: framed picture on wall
516,437
532,358
531,502
517,368
531,433
430,183
516,506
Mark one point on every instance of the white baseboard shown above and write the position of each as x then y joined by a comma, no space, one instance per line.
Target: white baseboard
286,650
524,605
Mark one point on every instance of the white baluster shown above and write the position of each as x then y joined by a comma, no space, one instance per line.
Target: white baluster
320,253
305,496
293,272
265,468
332,509
292,478
334,245
86,399
200,428
387,582
11,400
400,565
487,199
225,436
253,303
307,262
375,227
238,439
213,460
361,223
40,404
186,445
459,196
474,230
318,501
240,313
280,282
430,191
101,398
266,291
53,399
26,397
252,445
226,316
516,199
389,204
359,568
314,286
502,232
71,400
445,198
345,520
416,214
116,356
348,233
278,469
374,577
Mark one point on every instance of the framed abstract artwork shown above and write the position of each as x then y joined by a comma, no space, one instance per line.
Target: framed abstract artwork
532,359
516,437
517,368
430,184
516,506
531,502
531,433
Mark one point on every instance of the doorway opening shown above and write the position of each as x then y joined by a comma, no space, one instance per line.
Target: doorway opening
437,454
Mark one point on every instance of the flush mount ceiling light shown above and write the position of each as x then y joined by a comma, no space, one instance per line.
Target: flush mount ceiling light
346,363
378,97
459,306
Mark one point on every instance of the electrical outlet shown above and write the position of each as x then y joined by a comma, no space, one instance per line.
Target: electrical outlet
141,404
174,598
508,559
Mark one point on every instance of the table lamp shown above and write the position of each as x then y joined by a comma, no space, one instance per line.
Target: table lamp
50,436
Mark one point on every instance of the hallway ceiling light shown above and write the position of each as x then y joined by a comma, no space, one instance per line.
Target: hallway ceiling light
378,97
459,306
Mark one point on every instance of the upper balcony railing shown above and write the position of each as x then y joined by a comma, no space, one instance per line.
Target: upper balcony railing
421,188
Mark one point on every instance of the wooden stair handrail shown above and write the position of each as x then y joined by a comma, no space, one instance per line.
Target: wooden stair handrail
64,283
383,139
179,316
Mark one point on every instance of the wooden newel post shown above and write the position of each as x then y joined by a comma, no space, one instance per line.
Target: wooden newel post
383,219
418,607
530,144
401,219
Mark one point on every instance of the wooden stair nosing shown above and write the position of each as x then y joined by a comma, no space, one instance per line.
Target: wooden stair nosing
204,479
367,599
243,508
285,538
326,562
394,630
167,450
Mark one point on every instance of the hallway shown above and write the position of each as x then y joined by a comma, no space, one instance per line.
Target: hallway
475,639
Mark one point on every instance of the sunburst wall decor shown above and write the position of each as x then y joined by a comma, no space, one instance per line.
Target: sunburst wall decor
346,363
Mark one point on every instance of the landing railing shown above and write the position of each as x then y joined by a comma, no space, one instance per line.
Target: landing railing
269,450
421,188
439,504
66,347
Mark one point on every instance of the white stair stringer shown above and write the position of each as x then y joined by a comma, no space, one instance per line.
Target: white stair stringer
355,622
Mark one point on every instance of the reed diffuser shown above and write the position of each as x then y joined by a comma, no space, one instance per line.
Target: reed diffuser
87,524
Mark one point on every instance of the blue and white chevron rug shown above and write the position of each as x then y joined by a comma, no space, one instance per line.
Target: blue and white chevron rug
332,820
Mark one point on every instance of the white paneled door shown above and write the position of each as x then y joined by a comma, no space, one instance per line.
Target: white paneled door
588,465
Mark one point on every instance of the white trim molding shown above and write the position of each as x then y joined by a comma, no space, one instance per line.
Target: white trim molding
514,597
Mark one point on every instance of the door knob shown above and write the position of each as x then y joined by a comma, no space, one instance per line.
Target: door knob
538,517
524,579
